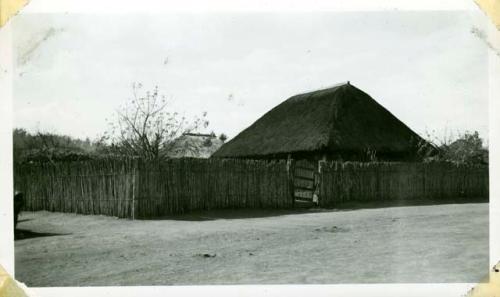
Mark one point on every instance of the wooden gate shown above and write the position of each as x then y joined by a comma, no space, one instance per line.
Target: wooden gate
305,181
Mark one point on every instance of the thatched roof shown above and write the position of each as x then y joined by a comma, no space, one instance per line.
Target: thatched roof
338,119
195,145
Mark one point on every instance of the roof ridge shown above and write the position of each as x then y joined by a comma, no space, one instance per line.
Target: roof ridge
331,87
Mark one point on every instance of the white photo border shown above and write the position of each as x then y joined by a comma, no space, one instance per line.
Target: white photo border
157,6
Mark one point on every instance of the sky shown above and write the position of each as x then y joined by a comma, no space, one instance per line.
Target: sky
73,71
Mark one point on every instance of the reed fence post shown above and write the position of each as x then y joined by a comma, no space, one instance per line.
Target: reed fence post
133,191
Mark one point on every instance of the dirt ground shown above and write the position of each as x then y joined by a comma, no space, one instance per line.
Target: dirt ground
425,243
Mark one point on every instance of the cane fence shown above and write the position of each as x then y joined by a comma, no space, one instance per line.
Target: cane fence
132,188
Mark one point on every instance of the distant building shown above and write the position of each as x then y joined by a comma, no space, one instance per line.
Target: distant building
339,123
195,145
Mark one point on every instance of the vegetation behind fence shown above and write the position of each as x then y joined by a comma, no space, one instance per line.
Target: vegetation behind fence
139,189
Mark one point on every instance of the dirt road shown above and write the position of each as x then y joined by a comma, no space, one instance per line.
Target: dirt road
439,243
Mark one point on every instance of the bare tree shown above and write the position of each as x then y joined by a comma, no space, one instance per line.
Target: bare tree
147,128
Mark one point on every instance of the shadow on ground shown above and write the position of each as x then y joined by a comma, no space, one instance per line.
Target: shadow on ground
208,215
346,206
20,234
228,214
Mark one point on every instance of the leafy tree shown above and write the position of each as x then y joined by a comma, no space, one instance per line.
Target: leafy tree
46,146
468,148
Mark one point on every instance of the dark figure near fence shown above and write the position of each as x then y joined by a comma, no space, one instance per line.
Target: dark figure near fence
18,205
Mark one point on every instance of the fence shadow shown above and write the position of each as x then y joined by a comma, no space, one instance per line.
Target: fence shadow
355,205
20,234
247,213
231,214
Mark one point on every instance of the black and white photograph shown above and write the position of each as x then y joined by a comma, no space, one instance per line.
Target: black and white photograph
192,148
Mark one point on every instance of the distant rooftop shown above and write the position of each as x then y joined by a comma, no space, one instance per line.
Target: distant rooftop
199,134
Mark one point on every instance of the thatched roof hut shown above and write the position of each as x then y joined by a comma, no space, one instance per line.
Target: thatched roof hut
341,122
195,145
